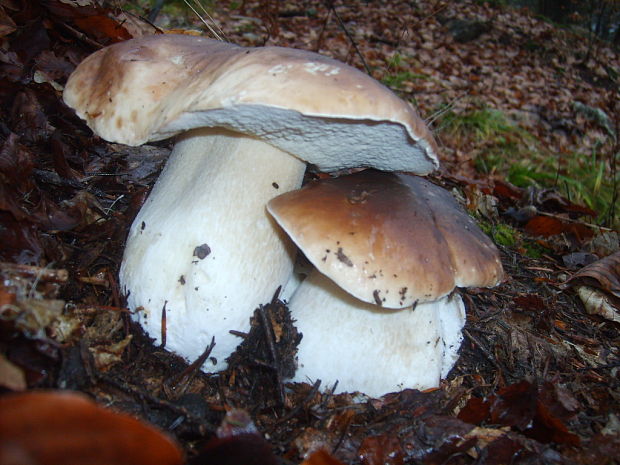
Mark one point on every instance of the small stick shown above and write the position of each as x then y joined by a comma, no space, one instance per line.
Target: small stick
188,374
483,349
270,339
330,4
82,36
299,406
144,396
570,220
41,273
163,326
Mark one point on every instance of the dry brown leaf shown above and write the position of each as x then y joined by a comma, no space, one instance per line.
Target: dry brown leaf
11,376
105,356
598,286
603,274
7,25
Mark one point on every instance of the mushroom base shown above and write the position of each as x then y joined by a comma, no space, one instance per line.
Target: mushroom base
203,248
370,349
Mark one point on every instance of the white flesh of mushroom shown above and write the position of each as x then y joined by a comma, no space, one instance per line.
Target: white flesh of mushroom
372,349
197,246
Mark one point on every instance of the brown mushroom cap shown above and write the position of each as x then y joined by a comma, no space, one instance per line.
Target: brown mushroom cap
388,239
314,107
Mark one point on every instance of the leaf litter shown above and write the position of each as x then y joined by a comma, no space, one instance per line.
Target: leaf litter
537,381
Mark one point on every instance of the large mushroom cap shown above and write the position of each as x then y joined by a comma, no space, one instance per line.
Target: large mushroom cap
388,239
323,111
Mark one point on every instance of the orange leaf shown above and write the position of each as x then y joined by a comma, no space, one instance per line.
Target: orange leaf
102,27
321,457
63,427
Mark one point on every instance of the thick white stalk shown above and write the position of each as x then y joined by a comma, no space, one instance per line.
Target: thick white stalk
372,349
203,245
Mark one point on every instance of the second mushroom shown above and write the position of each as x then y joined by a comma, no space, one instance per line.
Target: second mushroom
379,313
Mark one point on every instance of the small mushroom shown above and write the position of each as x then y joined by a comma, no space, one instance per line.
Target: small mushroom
379,313
203,248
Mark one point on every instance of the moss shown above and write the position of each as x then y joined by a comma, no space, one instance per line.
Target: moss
505,235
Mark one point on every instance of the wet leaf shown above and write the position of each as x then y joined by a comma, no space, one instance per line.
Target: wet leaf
29,119
103,28
578,259
321,457
602,449
546,226
381,450
515,406
20,239
53,66
530,303
7,25
54,427
538,411
238,442
475,411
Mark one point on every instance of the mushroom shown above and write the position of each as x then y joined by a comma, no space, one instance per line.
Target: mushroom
379,313
202,252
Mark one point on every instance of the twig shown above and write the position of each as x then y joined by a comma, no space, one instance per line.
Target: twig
330,4
154,13
215,34
445,109
144,396
163,326
484,350
321,37
570,220
40,273
609,366
189,373
299,406
270,339
54,179
240,334
82,36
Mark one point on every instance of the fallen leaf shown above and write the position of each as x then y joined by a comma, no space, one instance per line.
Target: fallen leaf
515,406
598,286
7,25
63,427
238,442
603,274
536,410
578,259
475,411
597,302
321,457
11,376
381,450
105,356
546,226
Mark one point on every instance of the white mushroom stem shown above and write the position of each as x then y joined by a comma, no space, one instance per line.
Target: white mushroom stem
371,349
203,246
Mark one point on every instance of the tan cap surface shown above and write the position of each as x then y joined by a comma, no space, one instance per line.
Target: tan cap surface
388,239
315,107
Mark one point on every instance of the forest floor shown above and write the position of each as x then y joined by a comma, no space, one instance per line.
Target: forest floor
527,116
